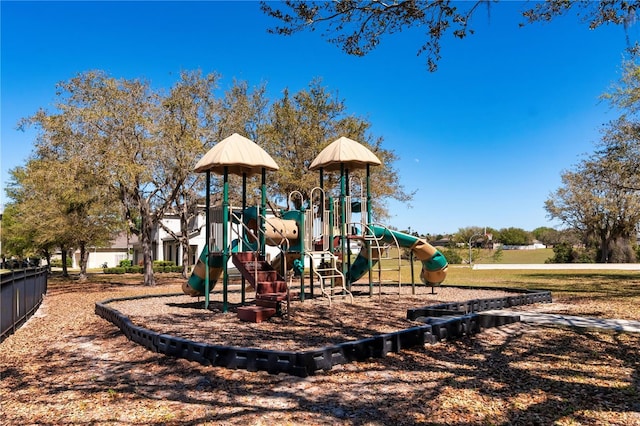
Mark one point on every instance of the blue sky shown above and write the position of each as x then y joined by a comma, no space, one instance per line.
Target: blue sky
483,140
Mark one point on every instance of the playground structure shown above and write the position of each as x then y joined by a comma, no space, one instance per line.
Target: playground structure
320,234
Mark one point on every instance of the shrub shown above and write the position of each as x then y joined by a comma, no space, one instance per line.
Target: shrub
163,263
562,253
116,270
497,255
565,253
452,255
126,263
57,263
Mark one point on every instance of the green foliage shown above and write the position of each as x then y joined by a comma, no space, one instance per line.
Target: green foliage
116,270
452,255
562,253
125,263
514,236
464,235
301,125
57,263
547,236
600,196
163,263
497,255
566,253
167,268
139,269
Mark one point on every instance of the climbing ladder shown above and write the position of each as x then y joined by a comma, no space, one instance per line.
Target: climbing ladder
332,281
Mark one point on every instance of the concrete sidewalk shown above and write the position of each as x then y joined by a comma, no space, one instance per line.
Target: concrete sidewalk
587,323
561,266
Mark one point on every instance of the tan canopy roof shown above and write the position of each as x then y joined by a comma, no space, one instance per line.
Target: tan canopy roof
345,151
239,154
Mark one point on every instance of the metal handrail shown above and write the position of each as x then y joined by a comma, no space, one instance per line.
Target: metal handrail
285,242
284,239
257,242
283,253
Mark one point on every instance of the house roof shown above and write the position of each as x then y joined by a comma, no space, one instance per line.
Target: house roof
239,155
120,241
344,151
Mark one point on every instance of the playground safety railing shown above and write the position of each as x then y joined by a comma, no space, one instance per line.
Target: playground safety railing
283,252
254,244
242,237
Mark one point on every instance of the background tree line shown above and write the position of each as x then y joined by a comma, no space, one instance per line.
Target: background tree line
117,155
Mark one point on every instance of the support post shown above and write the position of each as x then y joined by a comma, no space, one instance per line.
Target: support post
302,250
368,228
225,241
242,235
263,212
343,212
207,236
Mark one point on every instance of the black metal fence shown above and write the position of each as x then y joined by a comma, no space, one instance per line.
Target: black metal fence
21,292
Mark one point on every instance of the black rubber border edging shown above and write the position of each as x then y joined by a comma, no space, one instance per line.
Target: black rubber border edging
441,321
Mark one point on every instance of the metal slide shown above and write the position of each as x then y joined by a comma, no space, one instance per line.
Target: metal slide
434,264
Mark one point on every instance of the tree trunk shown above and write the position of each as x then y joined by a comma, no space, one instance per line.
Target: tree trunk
185,259
47,255
65,271
147,246
184,240
84,259
605,243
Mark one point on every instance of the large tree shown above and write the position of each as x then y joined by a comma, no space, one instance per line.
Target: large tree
58,203
138,140
601,196
597,199
188,122
301,125
514,236
358,27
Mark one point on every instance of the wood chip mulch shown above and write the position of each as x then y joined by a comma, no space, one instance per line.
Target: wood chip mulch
66,365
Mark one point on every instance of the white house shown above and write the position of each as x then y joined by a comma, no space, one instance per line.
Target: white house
163,247
120,249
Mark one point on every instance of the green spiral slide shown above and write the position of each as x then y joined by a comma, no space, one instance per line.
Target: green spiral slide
434,264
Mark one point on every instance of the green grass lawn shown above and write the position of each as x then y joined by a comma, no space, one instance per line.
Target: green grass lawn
603,293
612,283
514,256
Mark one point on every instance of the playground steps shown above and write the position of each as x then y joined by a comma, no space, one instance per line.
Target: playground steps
271,288
255,313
